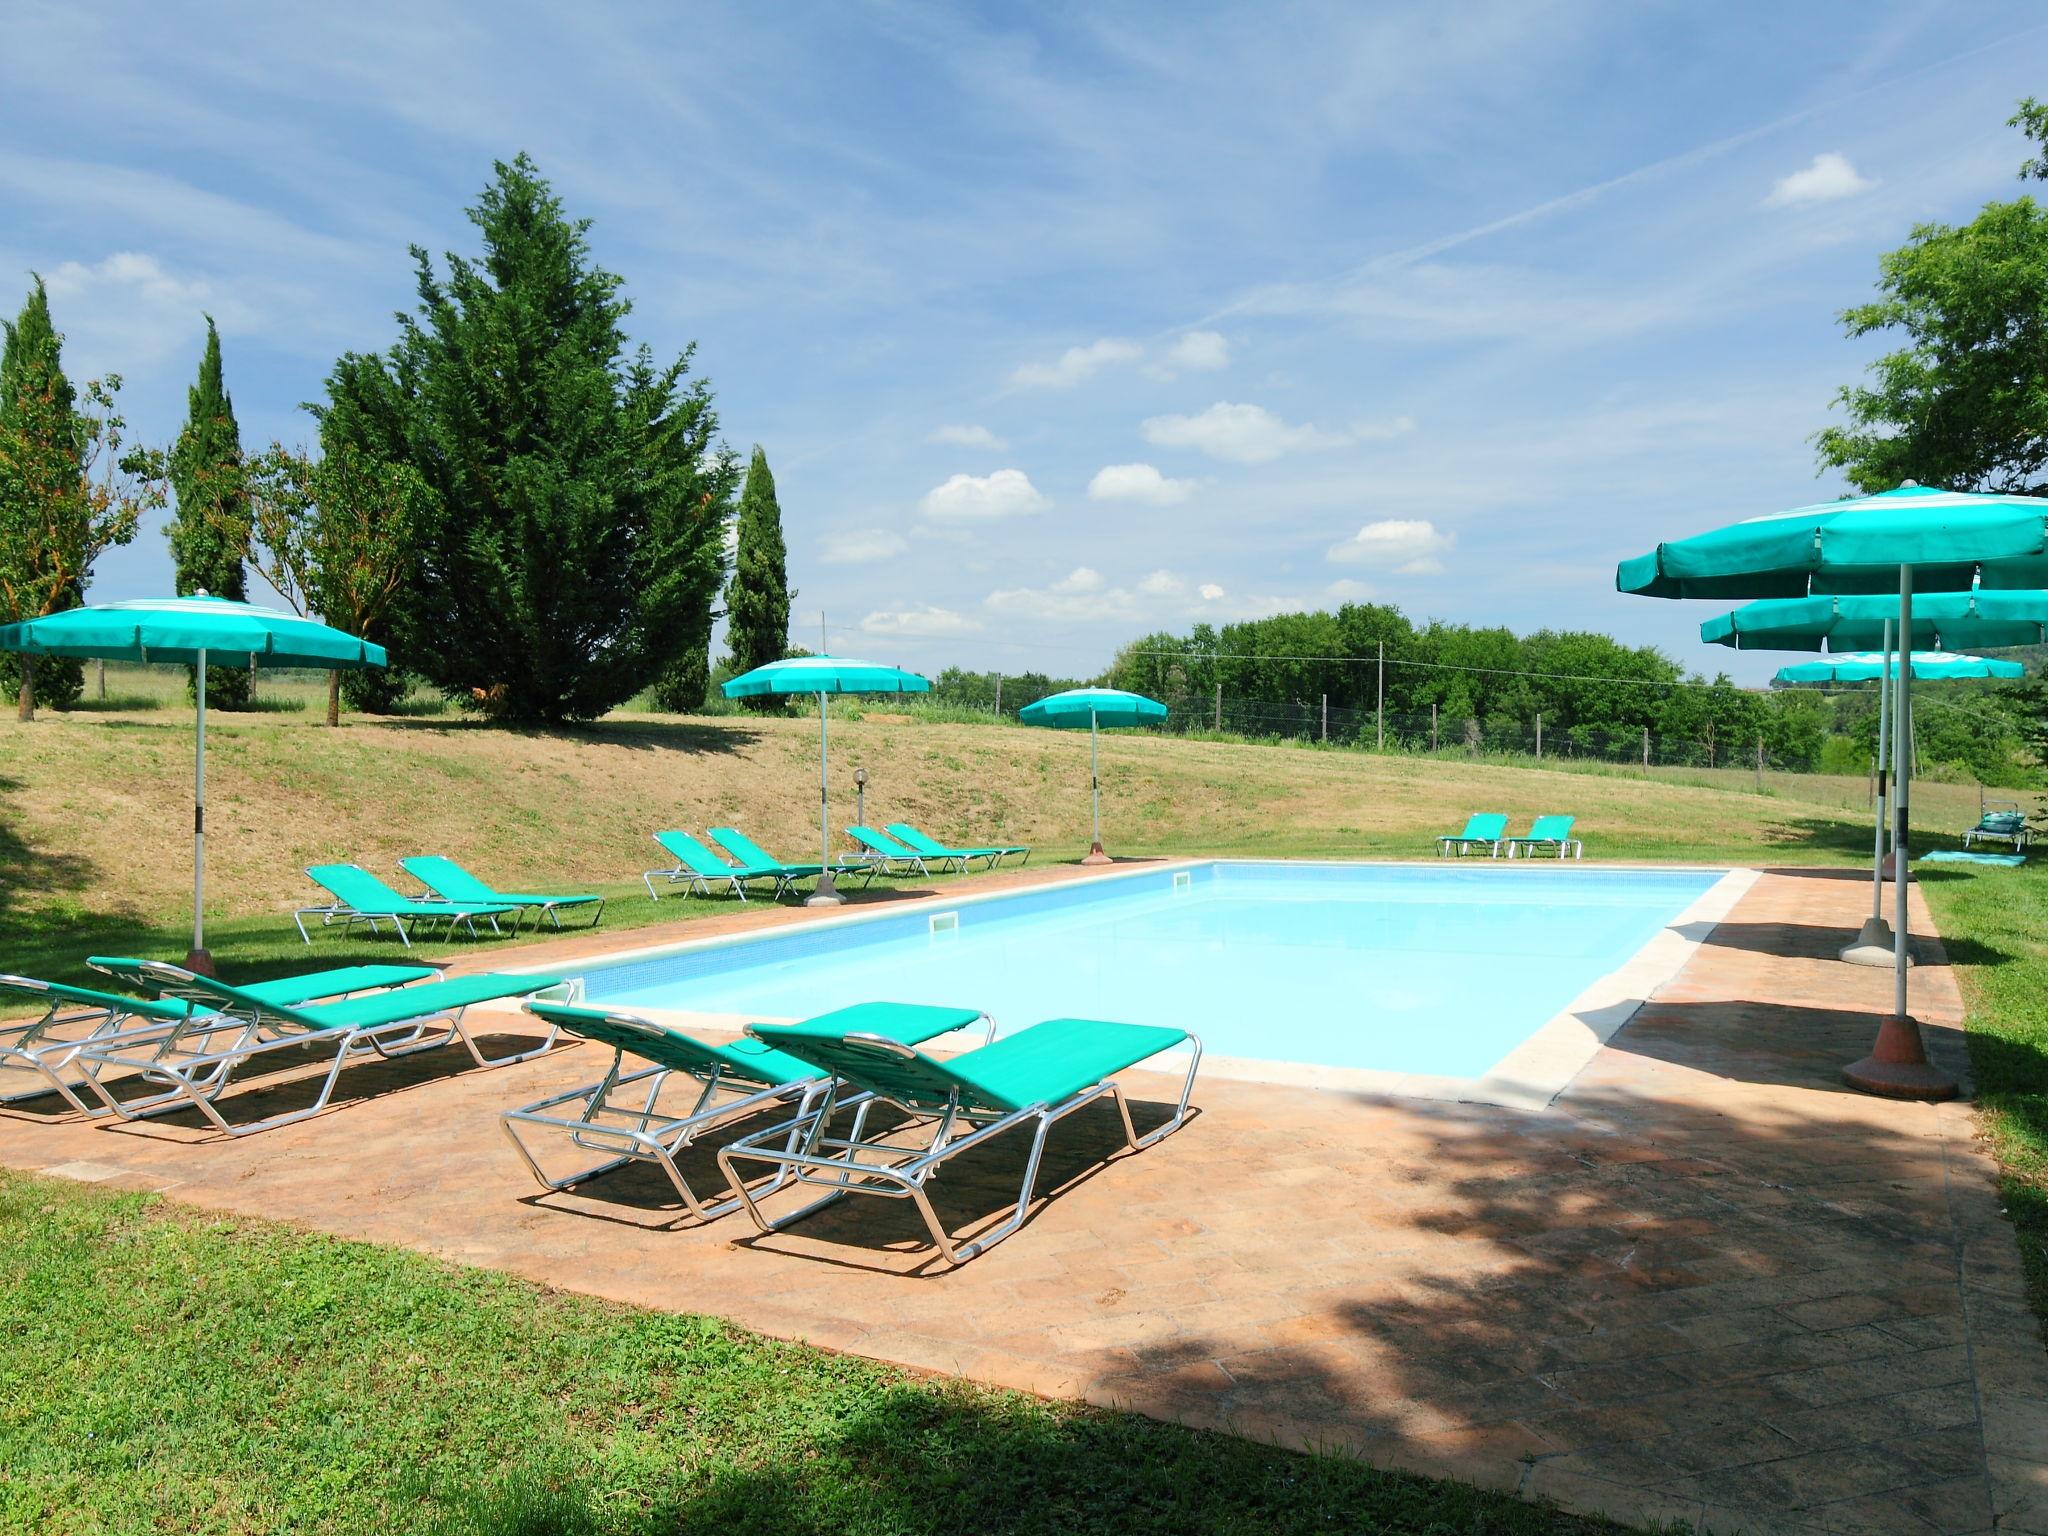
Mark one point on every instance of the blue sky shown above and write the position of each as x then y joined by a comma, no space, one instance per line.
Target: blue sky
1060,323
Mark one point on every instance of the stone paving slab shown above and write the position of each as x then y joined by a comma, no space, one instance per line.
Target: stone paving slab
1709,1285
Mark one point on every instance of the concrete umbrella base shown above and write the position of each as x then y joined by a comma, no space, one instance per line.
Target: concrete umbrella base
200,962
1097,856
1874,945
1897,1066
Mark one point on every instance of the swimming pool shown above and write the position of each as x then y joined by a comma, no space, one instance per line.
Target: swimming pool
1393,971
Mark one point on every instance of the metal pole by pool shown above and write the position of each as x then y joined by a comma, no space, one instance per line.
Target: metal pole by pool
827,893
1897,1066
1874,944
1095,853
197,959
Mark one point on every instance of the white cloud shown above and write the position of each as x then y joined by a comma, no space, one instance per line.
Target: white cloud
1406,546
982,498
1243,434
130,296
1210,591
1162,584
1076,365
1137,482
860,546
1349,591
1080,579
1199,351
924,623
968,437
1831,176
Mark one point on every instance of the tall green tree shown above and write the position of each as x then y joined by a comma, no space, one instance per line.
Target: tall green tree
571,542
336,537
758,596
1964,402
210,534
70,486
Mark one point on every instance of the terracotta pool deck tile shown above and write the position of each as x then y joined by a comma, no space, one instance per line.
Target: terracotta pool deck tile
1708,1284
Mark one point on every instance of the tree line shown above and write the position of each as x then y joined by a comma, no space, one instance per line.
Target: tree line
532,513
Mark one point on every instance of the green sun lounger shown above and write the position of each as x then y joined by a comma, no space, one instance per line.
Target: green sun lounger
188,1063
1485,830
360,897
621,1115
932,848
1035,1078
878,851
699,869
74,1018
1549,834
449,881
748,852
2005,826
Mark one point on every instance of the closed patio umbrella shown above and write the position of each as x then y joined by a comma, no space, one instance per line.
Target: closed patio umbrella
1093,708
186,630
824,676
1957,621
1937,540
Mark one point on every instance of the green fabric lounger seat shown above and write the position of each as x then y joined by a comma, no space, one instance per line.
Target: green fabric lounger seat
2000,827
879,851
1034,1078
621,1114
1549,834
73,1018
449,881
1484,830
188,1063
931,848
748,852
700,870
360,897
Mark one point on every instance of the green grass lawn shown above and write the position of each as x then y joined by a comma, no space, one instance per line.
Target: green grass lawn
167,1370
1996,922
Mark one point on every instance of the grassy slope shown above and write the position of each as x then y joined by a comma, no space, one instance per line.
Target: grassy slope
169,1371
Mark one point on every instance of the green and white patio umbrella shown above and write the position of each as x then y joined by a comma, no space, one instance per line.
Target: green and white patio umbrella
1946,541
187,630
1091,709
1870,666
824,676
1962,621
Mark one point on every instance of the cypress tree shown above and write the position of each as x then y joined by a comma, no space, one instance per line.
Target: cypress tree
210,535
42,464
758,597
577,495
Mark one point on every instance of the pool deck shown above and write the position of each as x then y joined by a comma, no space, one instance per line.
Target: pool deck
1709,1284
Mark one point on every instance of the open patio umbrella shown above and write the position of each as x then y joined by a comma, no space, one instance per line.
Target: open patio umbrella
1093,708
824,676
1947,541
1866,666
1953,620
186,630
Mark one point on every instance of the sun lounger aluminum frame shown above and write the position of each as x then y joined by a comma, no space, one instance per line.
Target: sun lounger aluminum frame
637,1131
1461,841
2011,828
855,1164
1535,841
194,1070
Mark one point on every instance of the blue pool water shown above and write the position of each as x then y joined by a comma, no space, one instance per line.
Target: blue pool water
1425,969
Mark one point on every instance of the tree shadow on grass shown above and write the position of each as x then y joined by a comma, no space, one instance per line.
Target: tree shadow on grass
28,870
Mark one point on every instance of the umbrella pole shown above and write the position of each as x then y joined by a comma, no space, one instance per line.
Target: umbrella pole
1874,945
197,959
1095,853
827,893
1897,1066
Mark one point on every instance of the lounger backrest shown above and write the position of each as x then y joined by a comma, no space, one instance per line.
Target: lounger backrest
354,886
2002,822
910,837
1485,827
447,878
744,848
1551,829
217,996
875,842
669,1048
879,1065
691,854
87,997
